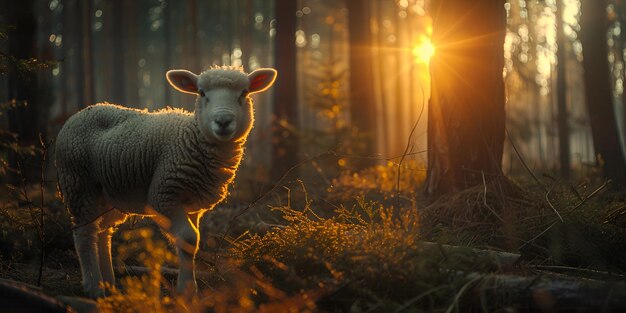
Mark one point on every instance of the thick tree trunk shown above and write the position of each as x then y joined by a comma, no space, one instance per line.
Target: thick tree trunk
362,99
598,91
284,143
466,113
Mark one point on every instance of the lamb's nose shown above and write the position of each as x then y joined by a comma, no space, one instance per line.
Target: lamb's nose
223,121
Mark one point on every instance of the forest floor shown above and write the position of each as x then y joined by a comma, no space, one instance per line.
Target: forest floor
545,247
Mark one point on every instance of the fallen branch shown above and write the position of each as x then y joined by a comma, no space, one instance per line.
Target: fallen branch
20,297
505,259
549,294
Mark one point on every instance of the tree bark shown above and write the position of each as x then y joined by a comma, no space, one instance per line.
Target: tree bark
598,91
466,113
362,98
284,143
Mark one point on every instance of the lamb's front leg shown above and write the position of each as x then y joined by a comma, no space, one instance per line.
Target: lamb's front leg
185,233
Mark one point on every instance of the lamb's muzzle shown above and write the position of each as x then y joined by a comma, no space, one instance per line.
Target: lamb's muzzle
176,163
224,126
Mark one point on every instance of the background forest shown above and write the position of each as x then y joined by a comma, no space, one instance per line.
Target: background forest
118,52
393,124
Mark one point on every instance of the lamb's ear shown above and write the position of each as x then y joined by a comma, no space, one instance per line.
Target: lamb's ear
183,81
261,79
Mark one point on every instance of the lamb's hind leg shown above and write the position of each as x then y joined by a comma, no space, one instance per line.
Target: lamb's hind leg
107,225
85,204
104,256
85,237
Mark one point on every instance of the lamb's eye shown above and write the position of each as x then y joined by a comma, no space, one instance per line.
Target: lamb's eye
243,95
201,93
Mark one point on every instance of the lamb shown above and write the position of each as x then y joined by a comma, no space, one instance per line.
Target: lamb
172,165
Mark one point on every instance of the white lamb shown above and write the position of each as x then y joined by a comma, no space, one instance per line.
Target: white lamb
171,165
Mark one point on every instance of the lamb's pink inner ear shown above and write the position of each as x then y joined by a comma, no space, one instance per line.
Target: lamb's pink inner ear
183,81
262,79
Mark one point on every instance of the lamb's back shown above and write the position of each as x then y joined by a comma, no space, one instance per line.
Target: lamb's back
115,147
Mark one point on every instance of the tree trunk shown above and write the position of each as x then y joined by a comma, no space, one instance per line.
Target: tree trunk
598,91
192,36
167,30
378,8
362,99
117,38
563,115
86,54
284,143
466,113
71,67
621,11
22,84
130,54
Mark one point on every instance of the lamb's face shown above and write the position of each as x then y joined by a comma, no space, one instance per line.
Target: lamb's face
224,109
224,114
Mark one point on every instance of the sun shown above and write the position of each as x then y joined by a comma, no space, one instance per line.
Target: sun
424,51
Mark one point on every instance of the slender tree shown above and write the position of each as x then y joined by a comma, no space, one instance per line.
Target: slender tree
284,143
620,45
362,98
168,42
466,112
192,33
70,65
86,54
598,91
247,31
21,67
379,67
563,116
117,37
